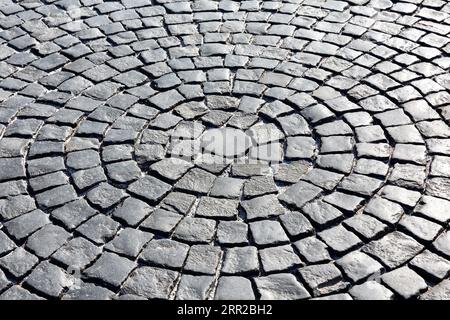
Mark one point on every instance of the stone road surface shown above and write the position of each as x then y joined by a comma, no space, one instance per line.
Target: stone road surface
343,192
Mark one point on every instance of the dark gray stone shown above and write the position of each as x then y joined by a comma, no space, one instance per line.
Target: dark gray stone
165,253
49,279
393,249
77,253
111,269
234,288
151,283
283,286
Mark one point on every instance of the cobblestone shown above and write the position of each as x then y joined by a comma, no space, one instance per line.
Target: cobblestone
224,149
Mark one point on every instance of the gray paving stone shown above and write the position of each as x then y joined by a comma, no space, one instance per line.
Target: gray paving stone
149,188
373,150
194,287
19,262
441,244
165,253
129,242
99,228
21,227
404,196
56,196
6,244
438,292
232,232
151,283
77,253
123,172
49,279
49,180
300,147
408,176
88,291
404,282
322,213
299,194
148,153
181,202
203,259
111,269
132,211
268,233
323,178
385,210
421,228
323,279
226,187
283,286
85,179
240,260
438,187
340,239
277,259
163,221
292,172
13,188
259,186
359,266
371,290
262,207
312,250
431,264
18,293
166,100
47,240
172,169
12,207
393,249
103,126
105,195
11,168
3,281
230,288
196,230
73,213
360,184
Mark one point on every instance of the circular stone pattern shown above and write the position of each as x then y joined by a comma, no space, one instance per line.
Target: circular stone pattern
158,149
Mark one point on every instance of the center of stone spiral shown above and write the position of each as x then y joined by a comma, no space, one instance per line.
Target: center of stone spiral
226,142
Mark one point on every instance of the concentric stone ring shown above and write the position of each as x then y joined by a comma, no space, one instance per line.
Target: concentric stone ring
159,149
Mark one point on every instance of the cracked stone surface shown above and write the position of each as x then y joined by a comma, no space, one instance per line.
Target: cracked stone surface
216,149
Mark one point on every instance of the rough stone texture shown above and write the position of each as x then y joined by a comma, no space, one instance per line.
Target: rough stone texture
323,279
111,269
150,283
394,249
281,286
88,291
237,288
404,282
371,290
194,287
49,279
224,149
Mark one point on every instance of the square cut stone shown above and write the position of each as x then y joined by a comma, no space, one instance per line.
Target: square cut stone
268,233
394,249
216,208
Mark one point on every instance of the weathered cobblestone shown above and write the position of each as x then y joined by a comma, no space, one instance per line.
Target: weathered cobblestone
224,149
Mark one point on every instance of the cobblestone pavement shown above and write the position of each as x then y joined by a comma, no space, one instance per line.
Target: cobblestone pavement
347,105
